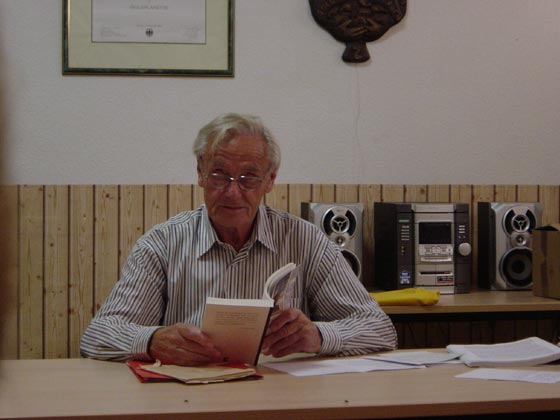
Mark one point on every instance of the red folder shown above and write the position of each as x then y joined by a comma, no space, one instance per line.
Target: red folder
145,375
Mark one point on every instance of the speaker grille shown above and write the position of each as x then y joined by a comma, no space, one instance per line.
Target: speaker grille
505,240
516,267
339,220
519,219
342,223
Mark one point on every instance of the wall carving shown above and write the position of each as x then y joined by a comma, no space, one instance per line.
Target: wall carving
356,22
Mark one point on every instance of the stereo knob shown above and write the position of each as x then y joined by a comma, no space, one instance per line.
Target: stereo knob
464,249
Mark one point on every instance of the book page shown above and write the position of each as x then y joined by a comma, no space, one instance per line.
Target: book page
281,286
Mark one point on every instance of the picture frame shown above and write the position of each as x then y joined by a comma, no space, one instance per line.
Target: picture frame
83,56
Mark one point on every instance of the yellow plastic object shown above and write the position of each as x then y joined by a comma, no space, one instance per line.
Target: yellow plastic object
409,296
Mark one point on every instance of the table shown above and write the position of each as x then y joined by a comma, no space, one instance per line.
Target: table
481,316
88,389
482,301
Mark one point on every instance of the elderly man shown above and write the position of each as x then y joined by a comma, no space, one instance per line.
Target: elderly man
227,248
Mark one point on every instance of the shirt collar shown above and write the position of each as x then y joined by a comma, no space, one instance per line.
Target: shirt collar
262,232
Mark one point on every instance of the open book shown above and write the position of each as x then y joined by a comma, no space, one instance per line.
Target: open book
237,326
527,352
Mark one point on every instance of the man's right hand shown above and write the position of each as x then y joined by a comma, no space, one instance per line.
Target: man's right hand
183,344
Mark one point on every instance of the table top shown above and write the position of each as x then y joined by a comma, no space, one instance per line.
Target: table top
479,301
88,389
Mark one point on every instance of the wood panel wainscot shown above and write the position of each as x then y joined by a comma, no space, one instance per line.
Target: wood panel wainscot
65,246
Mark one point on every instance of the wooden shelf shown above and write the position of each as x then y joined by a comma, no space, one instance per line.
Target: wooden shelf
480,301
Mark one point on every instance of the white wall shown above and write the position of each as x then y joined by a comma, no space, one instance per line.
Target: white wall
461,91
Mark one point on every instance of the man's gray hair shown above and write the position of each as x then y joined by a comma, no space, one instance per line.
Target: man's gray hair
225,127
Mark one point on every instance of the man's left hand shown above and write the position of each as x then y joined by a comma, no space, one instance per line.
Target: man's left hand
291,332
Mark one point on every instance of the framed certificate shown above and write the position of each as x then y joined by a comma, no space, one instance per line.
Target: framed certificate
148,37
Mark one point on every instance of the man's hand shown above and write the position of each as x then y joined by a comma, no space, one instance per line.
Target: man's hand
183,344
291,332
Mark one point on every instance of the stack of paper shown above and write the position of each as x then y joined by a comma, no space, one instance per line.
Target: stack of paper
528,352
416,358
387,361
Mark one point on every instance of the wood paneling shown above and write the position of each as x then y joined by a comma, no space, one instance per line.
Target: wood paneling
180,198
278,197
438,193
416,193
131,218
321,193
56,271
297,194
67,244
346,193
31,265
9,272
81,278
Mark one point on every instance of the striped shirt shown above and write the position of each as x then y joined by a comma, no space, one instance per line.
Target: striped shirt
177,264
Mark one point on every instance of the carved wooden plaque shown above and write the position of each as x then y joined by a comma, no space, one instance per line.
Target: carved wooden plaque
356,22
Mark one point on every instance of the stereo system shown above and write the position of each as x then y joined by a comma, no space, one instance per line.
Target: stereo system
428,244
422,245
342,223
505,244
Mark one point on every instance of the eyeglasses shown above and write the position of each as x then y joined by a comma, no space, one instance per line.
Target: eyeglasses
222,181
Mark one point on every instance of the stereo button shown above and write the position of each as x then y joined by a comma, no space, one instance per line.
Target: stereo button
464,249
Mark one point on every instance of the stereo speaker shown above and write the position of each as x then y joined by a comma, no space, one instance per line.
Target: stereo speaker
342,223
505,256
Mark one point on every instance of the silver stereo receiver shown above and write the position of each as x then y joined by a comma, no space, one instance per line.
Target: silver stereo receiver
422,245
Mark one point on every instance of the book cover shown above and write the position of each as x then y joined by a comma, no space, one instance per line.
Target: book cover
237,326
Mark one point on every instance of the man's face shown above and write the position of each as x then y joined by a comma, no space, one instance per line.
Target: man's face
232,207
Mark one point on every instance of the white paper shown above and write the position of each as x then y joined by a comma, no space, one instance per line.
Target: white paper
417,358
331,366
534,376
527,352
149,21
264,359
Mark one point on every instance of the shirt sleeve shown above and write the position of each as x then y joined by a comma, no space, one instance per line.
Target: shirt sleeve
123,326
349,319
